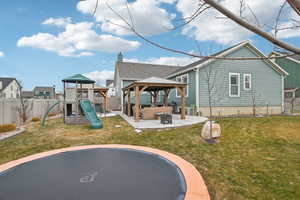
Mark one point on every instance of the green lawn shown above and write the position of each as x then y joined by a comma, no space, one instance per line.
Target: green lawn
257,158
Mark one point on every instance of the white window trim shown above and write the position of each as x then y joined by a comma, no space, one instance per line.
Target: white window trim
239,84
250,81
187,85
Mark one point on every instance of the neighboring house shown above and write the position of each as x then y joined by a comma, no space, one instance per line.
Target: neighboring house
238,84
41,92
290,64
111,88
9,88
128,72
27,94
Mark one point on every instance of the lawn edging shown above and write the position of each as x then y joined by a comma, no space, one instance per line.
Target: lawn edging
9,134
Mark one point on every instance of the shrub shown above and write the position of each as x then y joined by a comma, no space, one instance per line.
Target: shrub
7,127
35,119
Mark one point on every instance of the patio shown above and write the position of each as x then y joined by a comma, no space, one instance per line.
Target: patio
155,124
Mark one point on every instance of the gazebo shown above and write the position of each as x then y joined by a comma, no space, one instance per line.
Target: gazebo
79,80
153,85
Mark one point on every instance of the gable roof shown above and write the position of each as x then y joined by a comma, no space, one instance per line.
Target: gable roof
154,83
6,82
203,62
295,58
139,71
192,65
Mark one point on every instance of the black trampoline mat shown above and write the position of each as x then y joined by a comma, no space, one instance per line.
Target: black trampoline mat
95,174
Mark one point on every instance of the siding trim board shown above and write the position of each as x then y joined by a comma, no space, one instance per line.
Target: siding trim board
276,67
279,54
247,44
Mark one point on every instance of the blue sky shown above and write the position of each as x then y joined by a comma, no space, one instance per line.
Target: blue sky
44,41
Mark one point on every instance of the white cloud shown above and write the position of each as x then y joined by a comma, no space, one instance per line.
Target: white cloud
58,21
2,54
100,76
176,61
148,16
290,33
211,25
78,40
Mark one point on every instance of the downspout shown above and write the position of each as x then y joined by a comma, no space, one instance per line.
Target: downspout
122,98
197,88
282,94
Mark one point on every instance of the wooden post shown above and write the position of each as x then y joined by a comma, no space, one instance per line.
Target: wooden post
182,92
155,97
64,108
123,104
129,104
106,100
167,91
137,104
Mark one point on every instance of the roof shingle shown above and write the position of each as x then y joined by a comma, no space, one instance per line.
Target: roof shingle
139,71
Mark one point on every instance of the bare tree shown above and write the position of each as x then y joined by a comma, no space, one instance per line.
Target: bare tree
24,105
253,101
204,5
210,79
216,89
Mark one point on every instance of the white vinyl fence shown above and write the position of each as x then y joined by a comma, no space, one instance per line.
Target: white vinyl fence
292,103
10,109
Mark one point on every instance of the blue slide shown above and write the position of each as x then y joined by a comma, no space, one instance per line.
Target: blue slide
90,114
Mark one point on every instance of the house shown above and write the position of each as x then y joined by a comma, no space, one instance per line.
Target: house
237,86
111,87
44,92
9,88
27,94
291,65
129,72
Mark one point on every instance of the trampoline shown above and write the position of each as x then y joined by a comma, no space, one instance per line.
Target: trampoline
108,172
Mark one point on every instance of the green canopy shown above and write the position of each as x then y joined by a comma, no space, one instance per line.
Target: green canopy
78,78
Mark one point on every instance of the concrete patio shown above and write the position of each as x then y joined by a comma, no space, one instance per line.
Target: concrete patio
155,124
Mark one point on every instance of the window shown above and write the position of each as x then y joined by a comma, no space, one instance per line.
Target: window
234,84
183,79
247,82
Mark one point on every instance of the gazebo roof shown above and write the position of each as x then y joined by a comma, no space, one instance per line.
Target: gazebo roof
155,83
78,78
158,80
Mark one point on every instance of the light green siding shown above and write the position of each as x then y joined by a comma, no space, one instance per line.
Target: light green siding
191,100
266,82
145,97
293,68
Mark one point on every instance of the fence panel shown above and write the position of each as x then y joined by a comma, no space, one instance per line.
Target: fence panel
35,108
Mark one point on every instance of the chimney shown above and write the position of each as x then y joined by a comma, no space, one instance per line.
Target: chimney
120,57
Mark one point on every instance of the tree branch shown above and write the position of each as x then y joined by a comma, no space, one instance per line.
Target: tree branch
251,27
295,4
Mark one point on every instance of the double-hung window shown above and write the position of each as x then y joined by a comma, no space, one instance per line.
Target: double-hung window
247,82
183,79
234,84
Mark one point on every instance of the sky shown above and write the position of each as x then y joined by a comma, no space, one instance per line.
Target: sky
44,41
